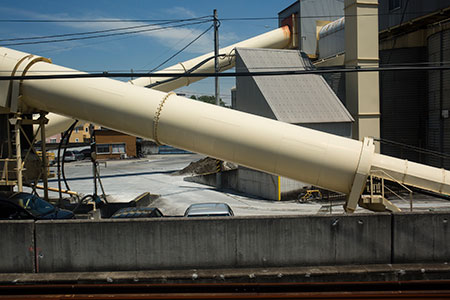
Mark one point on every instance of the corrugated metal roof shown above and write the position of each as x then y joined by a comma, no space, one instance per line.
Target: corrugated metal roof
293,98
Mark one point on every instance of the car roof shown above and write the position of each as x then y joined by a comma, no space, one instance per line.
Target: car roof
208,209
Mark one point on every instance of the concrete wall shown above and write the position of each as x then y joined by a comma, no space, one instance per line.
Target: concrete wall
421,237
179,243
257,183
114,245
243,180
17,247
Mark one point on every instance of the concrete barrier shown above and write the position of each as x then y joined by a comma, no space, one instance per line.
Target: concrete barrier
17,247
172,243
421,237
182,243
314,240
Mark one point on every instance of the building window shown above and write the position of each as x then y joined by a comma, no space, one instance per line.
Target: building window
52,140
76,140
103,149
394,4
118,148
86,129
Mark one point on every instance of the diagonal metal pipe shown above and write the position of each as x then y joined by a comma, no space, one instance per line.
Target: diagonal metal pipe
329,161
277,39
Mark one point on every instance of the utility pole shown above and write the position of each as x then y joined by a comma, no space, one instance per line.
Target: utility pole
216,55
216,70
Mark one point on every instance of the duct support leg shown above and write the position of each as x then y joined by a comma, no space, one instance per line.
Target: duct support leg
18,155
362,173
42,122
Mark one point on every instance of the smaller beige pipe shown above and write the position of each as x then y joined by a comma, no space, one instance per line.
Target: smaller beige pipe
275,39
411,173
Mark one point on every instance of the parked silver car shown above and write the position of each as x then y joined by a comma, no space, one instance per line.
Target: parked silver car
209,210
70,156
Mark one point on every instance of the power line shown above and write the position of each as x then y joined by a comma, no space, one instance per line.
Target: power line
415,13
84,33
103,35
182,49
225,74
419,66
204,17
414,148
97,20
400,24
163,52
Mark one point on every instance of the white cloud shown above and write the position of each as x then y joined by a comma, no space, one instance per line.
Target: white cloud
180,11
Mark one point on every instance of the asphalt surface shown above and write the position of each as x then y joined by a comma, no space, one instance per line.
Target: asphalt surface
124,180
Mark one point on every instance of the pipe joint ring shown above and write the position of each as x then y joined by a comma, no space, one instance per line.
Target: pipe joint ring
30,64
188,82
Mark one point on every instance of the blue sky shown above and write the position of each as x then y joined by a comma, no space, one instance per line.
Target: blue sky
142,51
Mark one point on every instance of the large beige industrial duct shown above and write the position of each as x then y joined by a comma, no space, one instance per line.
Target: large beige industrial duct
276,39
318,158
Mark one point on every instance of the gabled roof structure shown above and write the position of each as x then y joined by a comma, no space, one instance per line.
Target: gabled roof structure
293,99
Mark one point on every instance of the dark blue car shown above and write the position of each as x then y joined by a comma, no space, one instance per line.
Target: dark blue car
26,206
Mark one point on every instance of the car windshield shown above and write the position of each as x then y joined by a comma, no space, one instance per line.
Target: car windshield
34,204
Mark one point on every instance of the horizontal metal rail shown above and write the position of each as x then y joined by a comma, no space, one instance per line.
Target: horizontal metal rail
430,289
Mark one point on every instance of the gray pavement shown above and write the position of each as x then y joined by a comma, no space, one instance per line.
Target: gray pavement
123,180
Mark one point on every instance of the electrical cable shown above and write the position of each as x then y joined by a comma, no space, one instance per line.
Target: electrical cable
173,47
63,138
185,73
395,38
137,71
225,74
413,148
98,20
84,33
182,49
102,35
199,18
415,13
64,155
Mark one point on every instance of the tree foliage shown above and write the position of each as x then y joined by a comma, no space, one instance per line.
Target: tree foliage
208,99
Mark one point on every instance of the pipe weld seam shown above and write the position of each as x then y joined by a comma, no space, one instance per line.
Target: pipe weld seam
157,117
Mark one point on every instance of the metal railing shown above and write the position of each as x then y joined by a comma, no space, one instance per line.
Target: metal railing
8,177
390,178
